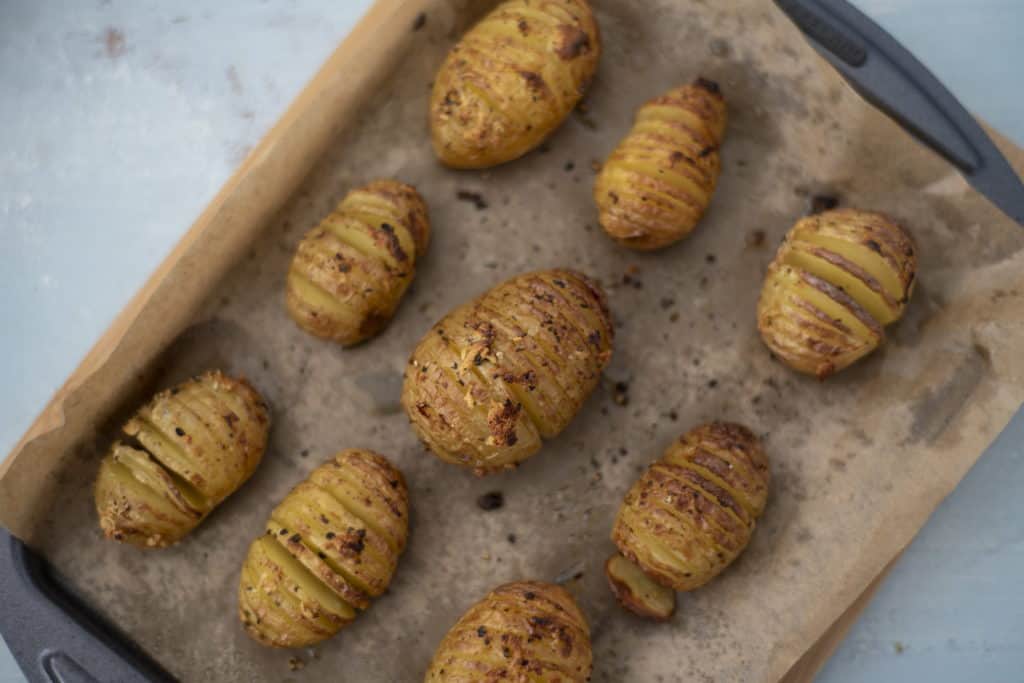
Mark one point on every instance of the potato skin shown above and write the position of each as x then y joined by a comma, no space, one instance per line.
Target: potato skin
499,374
837,280
512,80
523,631
656,185
349,273
693,512
351,512
186,451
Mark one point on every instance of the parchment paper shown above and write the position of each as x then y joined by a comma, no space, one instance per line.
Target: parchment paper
858,462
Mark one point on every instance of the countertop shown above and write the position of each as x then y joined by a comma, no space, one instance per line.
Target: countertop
122,119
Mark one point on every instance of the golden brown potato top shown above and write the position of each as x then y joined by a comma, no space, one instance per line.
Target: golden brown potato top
837,280
509,368
523,631
698,107
399,200
731,456
868,243
184,452
693,511
512,79
354,510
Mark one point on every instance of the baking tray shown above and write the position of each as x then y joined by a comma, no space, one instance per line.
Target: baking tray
686,351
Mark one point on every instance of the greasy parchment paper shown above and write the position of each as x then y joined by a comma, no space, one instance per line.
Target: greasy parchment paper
858,462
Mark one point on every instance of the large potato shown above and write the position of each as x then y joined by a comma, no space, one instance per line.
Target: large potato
524,631
511,80
183,453
510,368
330,546
693,512
658,182
837,280
350,272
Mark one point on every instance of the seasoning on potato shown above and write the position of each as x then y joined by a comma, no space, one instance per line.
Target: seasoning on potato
692,512
329,548
837,280
656,185
350,272
499,374
523,631
182,454
512,80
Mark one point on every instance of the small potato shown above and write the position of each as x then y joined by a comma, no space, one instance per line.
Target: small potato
637,592
693,512
183,453
350,272
508,369
837,280
656,185
330,546
523,631
512,80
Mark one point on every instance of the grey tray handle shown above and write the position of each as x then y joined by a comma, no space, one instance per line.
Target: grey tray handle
52,636
888,76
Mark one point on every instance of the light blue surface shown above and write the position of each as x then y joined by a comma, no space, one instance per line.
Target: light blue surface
122,119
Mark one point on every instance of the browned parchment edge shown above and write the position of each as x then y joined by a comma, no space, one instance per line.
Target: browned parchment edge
258,188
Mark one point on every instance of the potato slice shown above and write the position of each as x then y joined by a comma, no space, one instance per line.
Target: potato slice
637,592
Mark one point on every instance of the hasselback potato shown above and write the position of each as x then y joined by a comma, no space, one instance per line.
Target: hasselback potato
181,455
523,631
511,80
658,182
508,369
329,548
693,512
837,280
350,272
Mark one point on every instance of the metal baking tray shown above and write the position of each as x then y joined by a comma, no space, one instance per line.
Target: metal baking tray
686,351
